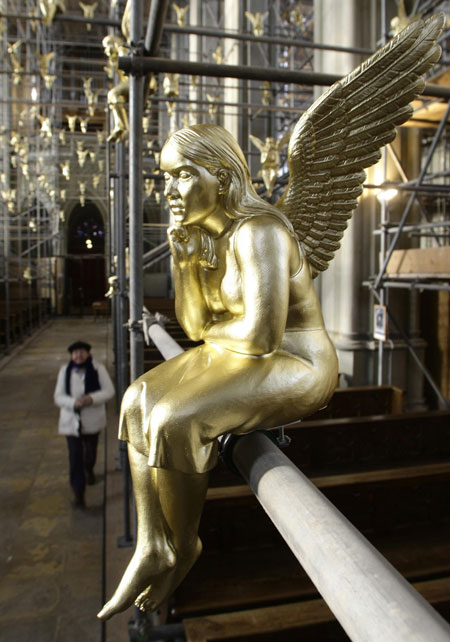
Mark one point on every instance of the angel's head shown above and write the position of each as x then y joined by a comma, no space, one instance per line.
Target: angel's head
215,149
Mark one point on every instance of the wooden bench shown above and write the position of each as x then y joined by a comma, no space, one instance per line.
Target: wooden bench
308,621
162,305
246,562
402,504
101,308
22,315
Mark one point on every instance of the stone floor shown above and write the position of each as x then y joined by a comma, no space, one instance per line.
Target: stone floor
51,566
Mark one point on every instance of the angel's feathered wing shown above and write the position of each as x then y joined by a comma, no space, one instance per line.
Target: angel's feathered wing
342,133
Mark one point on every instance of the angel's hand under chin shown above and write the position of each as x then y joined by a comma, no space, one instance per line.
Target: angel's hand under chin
184,242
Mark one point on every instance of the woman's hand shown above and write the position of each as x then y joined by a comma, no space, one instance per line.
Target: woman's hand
86,400
184,243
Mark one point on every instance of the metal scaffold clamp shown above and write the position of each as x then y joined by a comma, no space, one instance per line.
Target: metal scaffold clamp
134,326
228,441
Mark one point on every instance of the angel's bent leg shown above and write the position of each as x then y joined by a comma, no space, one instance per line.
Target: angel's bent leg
168,505
154,553
182,498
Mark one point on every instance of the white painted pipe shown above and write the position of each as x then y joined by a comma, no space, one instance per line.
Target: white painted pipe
367,595
167,346
370,599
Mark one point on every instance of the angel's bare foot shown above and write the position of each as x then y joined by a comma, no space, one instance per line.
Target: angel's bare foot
163,586
144,566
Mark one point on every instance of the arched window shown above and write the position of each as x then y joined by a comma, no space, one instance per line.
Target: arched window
85,262
86,232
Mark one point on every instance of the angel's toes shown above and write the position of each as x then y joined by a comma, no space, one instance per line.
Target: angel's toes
144,601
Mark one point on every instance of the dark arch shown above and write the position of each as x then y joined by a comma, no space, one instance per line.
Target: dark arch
85,261
85,224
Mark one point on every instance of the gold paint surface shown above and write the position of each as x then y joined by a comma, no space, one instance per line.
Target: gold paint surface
243,274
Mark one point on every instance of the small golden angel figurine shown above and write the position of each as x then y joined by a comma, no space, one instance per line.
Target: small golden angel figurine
114,46
257,19
243,272
84,122
91,95
15,62
181,14
81,153
46,127
401,20
65,169
88,12
44,68
72,121
270,159
49,8
171,90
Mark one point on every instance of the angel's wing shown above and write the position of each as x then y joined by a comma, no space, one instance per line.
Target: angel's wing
342,133
283,140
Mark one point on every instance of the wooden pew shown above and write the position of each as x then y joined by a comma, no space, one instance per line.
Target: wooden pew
308,621
400,501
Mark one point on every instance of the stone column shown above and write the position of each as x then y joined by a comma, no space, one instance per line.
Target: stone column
231,92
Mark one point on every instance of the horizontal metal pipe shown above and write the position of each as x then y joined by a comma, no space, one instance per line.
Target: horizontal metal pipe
416,285
202,31
156,259
143,65
269,40
369,598
64,17
412,228
410,187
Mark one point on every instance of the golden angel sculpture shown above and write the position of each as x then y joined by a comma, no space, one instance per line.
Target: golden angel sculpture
243,274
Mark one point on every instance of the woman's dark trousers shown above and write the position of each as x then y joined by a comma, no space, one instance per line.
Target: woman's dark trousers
82,456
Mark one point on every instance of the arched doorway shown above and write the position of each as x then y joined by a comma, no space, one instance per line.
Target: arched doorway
85,263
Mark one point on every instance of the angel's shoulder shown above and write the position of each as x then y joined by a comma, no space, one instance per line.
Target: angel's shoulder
259,225
258,232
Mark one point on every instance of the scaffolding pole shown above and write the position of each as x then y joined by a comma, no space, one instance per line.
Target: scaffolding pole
142,65
135,198
412,198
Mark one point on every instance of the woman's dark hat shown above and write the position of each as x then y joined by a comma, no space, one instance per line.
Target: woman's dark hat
79,345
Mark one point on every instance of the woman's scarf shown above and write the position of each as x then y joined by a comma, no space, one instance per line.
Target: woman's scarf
91,381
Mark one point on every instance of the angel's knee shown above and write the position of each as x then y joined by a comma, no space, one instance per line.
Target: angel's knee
171,421
163,419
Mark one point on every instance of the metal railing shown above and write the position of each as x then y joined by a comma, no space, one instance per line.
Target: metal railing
367,595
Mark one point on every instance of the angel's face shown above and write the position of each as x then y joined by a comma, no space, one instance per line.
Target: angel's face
191,191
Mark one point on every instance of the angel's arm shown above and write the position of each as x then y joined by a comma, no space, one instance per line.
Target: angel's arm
190,306
262,248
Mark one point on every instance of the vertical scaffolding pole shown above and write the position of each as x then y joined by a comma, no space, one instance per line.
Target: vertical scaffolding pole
135,191
121,296
121,311
413,196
